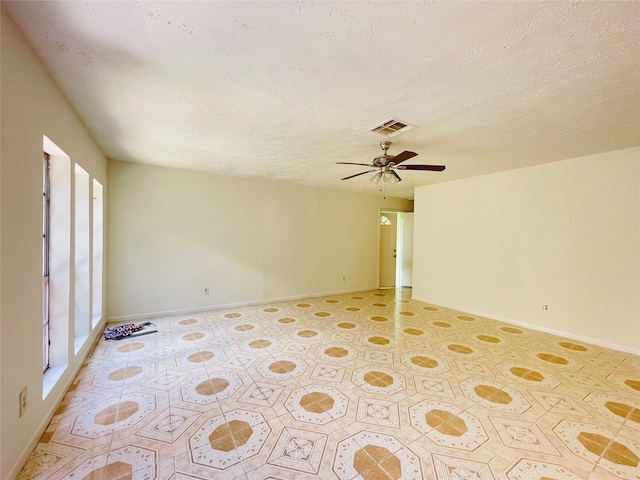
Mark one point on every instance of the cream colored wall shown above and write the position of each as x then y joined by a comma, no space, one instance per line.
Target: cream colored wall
32,106
174,232
565,234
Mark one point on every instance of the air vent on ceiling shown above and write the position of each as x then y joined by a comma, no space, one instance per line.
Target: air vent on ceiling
392,127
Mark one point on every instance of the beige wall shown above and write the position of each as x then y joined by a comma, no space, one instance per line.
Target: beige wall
565,234
174,232
32,106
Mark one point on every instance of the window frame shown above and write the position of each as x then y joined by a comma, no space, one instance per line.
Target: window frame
46,262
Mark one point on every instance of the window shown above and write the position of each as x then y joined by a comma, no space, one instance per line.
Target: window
46,263
384,220
72,256
97,252
82,278
57,263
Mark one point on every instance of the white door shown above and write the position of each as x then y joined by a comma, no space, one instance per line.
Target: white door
388,237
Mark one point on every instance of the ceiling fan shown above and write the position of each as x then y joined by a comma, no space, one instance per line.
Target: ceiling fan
385,166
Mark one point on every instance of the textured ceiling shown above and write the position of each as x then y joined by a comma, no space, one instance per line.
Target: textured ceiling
283,90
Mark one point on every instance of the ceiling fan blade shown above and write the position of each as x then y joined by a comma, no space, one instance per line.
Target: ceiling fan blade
349,163
401,157
396,175
433,168
361,173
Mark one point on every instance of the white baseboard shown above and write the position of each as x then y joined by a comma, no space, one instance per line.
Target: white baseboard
188,311
580,338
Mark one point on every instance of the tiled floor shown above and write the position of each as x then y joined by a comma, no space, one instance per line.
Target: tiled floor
359,386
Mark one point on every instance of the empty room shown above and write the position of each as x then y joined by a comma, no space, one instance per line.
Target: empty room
320,240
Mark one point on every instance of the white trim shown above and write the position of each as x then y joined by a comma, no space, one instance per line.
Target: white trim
382,210
61,256
51,377
79,342
97,229
81,266
592,341
186,311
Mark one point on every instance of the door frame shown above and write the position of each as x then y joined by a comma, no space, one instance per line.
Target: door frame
398,263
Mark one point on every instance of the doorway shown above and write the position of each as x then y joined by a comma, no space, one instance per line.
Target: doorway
395,260
388,249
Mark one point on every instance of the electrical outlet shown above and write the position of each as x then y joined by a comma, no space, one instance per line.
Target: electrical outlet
22,400
545,307
205,291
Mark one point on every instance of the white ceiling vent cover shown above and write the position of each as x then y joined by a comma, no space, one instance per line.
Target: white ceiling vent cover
392,127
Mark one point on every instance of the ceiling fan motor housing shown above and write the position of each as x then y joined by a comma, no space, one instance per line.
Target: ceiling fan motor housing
382,160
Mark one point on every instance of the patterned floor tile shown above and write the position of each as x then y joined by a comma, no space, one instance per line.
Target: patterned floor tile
378,412
317,404
526,469
169,424
446,425
454,468
371,455
224,440
299,450
113,415
360,386
595,444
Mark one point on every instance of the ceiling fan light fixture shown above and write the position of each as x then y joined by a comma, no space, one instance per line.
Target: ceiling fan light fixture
389,178
376,178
